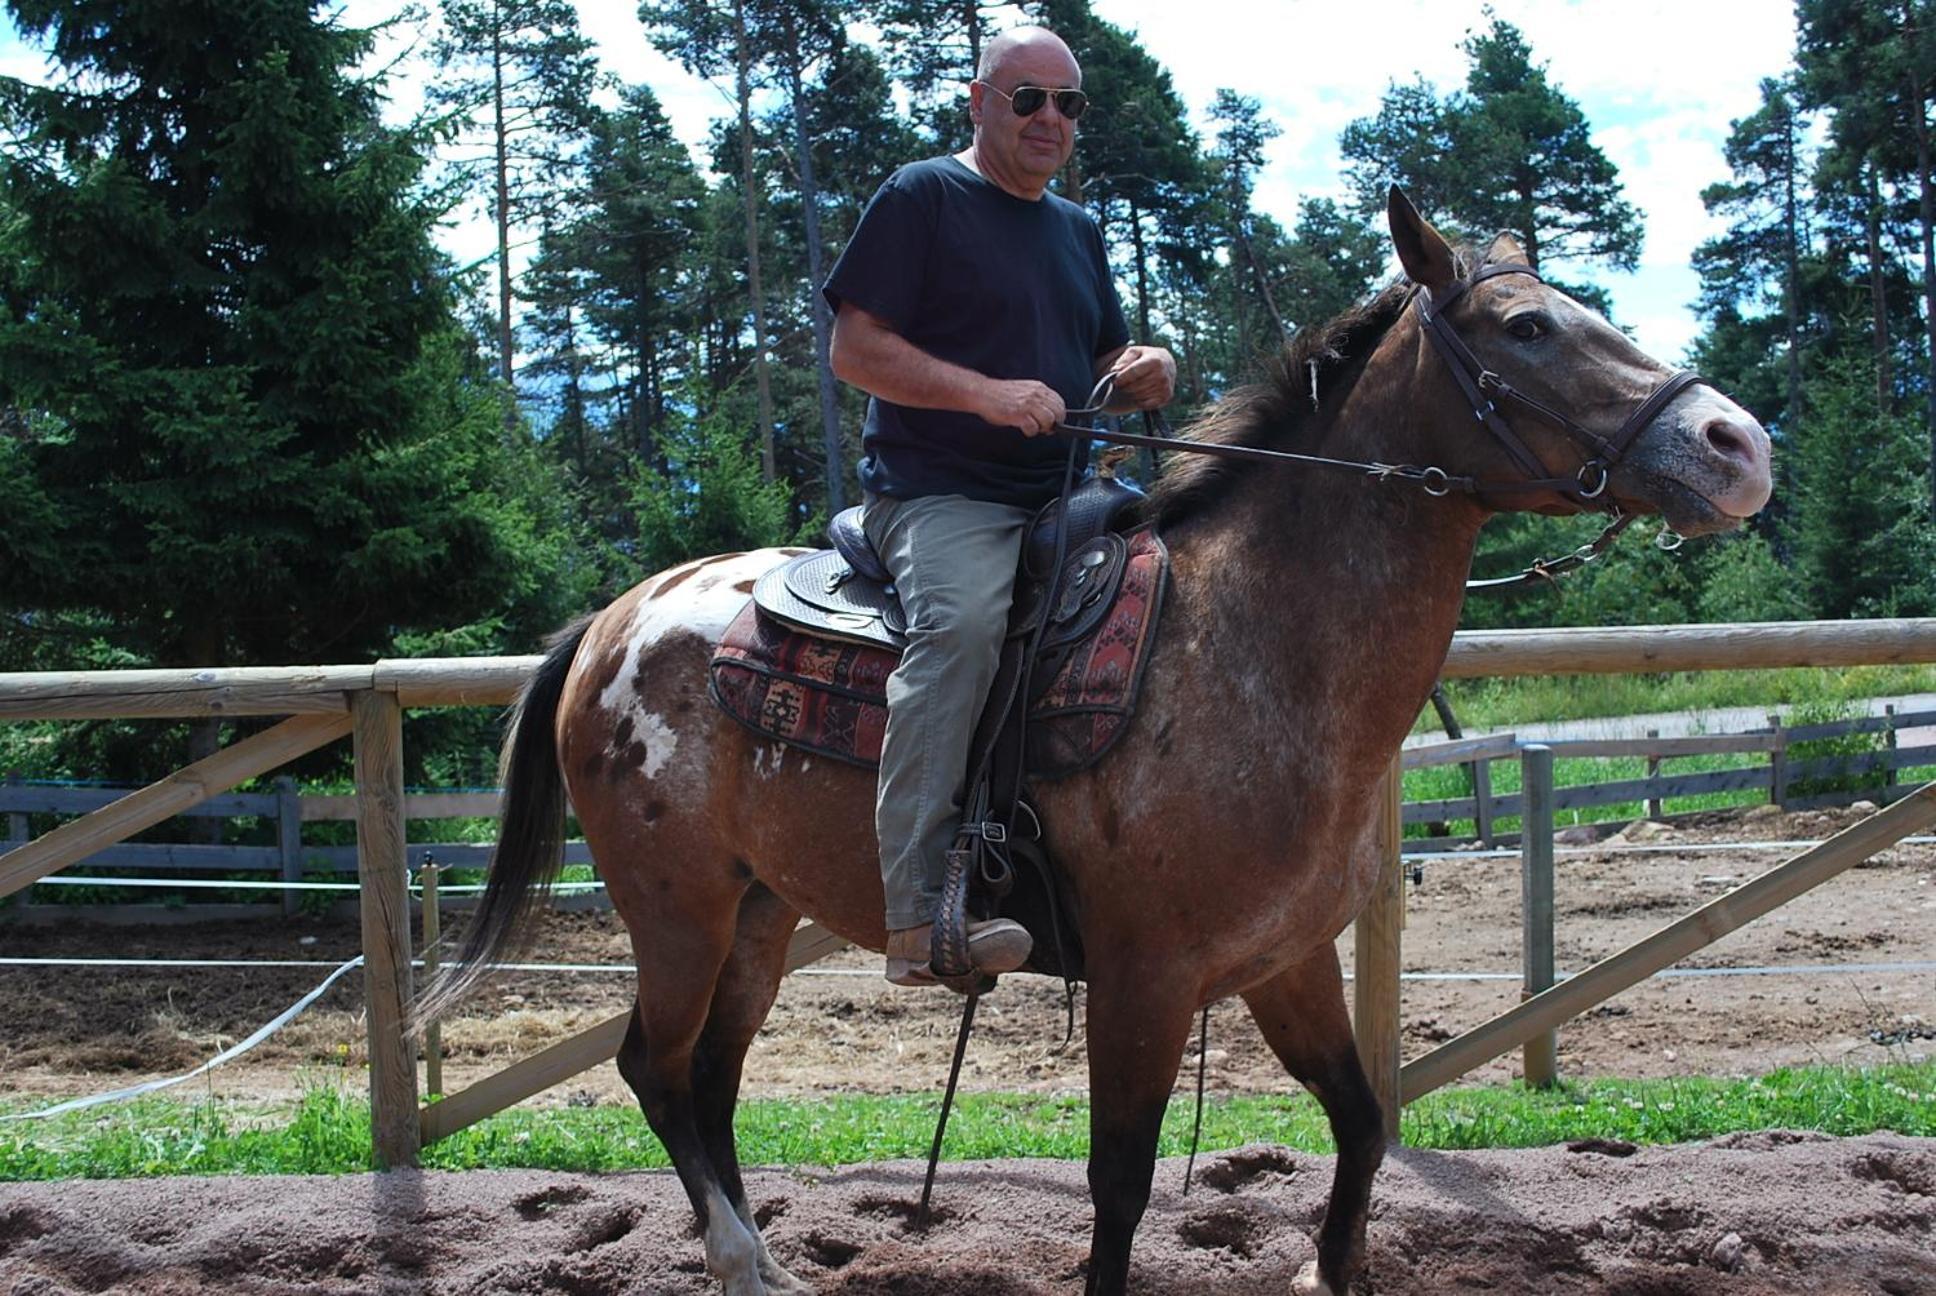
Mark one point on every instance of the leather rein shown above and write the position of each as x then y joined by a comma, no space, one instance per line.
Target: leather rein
1484,390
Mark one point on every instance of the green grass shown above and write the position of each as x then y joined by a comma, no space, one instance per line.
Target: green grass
330,1131
1450,782
1498,703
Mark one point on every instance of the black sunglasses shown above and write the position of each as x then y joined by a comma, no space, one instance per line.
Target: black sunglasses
1028,100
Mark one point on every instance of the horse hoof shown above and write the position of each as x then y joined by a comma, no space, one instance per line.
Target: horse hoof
1307,1282
781,1283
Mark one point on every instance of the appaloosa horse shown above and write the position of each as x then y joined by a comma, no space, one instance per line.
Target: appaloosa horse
1228,839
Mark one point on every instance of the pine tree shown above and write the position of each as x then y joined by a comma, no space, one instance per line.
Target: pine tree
258,433
1757,262
712,43
521,73
933,47
1873,63
1512,152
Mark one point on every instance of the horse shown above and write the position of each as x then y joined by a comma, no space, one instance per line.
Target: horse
1230,836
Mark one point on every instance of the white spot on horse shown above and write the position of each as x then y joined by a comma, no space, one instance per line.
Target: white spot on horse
660,743
699,598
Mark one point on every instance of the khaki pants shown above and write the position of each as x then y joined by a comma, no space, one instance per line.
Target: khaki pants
953,561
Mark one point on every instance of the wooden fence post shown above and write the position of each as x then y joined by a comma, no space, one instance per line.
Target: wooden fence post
1375,940
1889,750
1536,903
433,1045
289,841
1482,800
378,719
1655,809
1778,764
16,822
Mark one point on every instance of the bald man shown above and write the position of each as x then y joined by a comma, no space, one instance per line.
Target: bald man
975,308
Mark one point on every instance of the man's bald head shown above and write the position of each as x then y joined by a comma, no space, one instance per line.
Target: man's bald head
1033,45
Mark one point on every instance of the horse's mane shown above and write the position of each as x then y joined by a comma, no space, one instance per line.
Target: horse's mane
1274,408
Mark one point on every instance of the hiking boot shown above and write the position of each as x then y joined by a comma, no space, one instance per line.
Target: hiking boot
995,946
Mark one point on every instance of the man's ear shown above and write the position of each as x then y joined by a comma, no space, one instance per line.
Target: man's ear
976,91
1422,250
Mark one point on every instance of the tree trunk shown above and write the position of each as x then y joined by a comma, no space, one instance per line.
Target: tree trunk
1792,290
1926,203
1257,272
836,461
1142,273
575,393
1878,297
506,351
973,15
751,196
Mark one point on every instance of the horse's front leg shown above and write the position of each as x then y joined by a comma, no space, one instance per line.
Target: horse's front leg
1302,1016
1137,1028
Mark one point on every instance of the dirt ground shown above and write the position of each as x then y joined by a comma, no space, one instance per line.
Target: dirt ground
1744,1215
838,1026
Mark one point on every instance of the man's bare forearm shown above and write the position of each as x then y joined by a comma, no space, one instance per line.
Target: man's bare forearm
882,363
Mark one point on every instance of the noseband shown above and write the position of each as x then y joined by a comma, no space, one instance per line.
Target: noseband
1484,389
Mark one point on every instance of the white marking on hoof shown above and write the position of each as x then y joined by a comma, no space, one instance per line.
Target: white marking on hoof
779,1282
732,1254
1307,1282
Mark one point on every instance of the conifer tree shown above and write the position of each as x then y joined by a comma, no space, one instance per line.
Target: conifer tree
1511,152
259,434
519,76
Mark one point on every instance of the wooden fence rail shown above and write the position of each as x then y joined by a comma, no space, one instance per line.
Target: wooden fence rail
291,858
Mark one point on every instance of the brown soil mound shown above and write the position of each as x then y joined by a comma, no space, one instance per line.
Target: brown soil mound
1758,1213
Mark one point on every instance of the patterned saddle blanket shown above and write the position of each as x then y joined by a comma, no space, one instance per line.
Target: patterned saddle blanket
828,695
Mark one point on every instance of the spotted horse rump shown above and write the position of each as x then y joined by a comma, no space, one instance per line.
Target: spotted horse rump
829,696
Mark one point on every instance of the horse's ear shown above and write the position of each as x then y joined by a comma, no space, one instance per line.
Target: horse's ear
1422,250
1505,250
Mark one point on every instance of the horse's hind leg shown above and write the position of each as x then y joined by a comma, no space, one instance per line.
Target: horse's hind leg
681,949
1301,1013
741,1000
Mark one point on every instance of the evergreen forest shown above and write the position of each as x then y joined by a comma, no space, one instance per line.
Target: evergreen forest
251,414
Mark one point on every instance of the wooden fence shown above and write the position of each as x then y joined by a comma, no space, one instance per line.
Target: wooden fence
1868,775
366,703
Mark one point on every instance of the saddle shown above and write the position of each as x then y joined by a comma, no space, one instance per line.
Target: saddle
807,661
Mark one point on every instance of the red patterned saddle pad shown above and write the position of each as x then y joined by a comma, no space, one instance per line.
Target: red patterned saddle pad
830,697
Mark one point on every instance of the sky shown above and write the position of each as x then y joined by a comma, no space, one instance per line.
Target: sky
1660,82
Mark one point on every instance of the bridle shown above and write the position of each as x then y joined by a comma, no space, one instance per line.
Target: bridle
1484,390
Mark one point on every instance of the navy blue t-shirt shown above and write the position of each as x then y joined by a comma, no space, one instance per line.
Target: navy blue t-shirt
1010,288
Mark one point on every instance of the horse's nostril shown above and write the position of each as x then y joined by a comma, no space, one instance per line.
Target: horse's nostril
1730,441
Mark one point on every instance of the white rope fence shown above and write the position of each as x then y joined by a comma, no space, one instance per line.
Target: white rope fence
269,1028
627,969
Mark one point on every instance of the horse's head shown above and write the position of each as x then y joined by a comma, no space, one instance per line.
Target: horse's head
1580,417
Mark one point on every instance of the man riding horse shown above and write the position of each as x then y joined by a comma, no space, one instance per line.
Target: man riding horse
975,308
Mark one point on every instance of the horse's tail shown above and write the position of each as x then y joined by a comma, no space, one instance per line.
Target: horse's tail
531,833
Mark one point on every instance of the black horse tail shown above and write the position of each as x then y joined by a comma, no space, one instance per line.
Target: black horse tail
531,833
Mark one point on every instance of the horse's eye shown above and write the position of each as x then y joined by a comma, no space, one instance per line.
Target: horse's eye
1526,328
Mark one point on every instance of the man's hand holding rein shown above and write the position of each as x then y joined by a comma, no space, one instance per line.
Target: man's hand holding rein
1144,379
